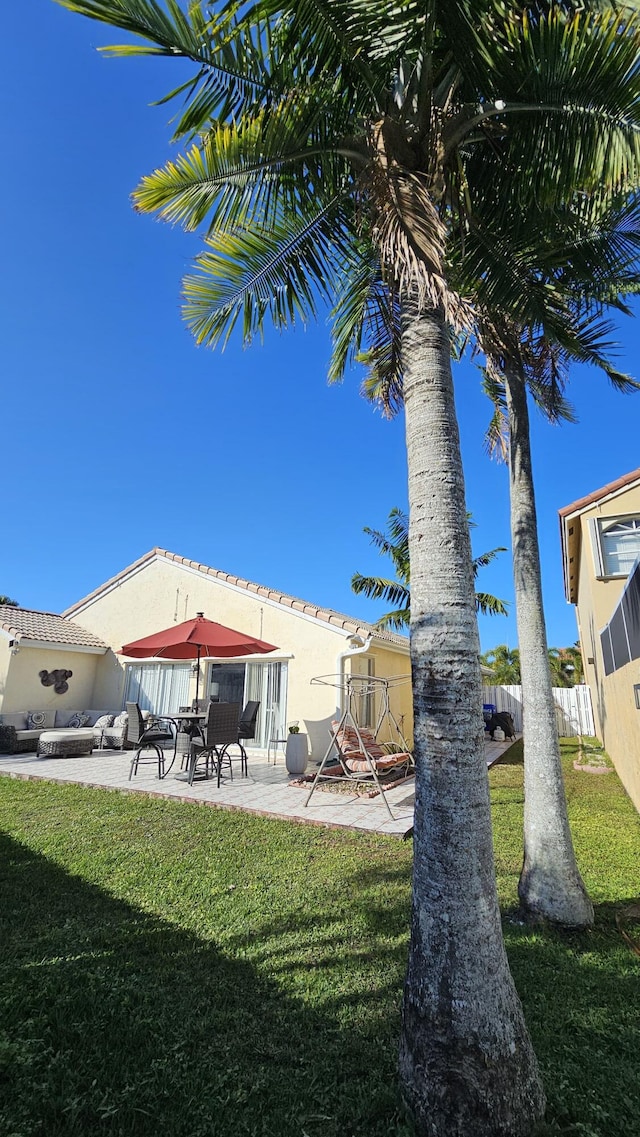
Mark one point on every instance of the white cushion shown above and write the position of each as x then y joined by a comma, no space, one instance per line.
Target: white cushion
94,715
26,735
104,721
66,735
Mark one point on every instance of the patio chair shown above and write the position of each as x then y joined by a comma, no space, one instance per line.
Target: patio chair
219,731
145,737
247,729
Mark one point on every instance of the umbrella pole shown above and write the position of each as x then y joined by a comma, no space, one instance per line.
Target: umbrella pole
198,677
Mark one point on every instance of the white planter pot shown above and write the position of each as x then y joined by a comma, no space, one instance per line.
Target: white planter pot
296,753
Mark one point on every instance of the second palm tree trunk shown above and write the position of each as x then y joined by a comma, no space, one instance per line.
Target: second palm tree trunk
466,1061
550,884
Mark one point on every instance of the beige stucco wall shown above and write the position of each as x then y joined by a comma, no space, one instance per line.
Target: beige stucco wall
5,661
390,664
23,690
165,592
620,724
617,720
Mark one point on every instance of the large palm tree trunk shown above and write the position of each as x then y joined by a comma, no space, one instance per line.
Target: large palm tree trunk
550,884
466,1062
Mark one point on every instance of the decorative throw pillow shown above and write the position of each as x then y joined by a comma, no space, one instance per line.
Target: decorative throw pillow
78,720
62,719
104,721
122,719
36,720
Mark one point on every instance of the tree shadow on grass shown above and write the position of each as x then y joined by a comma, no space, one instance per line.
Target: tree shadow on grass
116,1022
581,993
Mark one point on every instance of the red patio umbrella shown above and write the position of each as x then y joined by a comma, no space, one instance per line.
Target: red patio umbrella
195,638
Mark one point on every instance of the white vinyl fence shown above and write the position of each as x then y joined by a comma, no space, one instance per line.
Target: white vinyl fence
574,714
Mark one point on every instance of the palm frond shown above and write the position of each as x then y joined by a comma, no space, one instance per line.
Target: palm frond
278,272
234,58
395,621
252,170
378,588
490,605
568,85
485,559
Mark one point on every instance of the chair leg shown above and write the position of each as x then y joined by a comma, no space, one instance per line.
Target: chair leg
243,761
134,764
220,756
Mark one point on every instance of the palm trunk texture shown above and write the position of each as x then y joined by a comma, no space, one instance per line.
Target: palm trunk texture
466,1062
550,884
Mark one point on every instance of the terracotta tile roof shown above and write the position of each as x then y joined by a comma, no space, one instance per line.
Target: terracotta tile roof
328,615
592,498
45,627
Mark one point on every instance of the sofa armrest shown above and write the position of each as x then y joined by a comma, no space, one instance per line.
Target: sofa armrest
8,739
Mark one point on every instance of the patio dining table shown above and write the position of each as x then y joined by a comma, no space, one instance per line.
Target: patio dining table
188,723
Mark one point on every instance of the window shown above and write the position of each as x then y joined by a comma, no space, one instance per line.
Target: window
616,544
620,545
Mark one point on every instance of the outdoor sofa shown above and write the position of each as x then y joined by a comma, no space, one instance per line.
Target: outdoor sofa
20,730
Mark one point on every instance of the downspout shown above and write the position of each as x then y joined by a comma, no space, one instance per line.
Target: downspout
363,647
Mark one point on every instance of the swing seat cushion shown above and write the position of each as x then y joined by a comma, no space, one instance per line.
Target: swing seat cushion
358,762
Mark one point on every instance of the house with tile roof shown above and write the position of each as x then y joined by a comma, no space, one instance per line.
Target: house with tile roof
33,643
162,588
600,538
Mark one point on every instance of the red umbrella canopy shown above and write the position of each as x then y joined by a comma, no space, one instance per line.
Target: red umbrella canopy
195,638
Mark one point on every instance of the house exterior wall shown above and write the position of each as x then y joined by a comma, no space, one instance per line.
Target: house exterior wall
389,664
5,663
163,592
23,690
617,720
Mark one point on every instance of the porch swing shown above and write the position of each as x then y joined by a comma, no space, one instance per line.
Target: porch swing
354,753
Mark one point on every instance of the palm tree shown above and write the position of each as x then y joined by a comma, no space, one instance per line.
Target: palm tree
590,262
326,126
565,664
395,544
5,600
504,665
587,261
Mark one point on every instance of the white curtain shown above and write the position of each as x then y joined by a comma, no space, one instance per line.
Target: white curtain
267,682
158,687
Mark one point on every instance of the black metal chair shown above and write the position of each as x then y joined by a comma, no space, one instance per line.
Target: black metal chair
219,731
247,729
145,737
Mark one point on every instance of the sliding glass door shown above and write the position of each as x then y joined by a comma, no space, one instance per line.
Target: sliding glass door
236,682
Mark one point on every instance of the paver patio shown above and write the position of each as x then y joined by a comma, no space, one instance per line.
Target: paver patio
265,791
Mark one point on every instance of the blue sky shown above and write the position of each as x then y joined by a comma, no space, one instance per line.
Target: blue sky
120,434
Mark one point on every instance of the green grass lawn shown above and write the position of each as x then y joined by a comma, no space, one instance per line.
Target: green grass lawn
168,969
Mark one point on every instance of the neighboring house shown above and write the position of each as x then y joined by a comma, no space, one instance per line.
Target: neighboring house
600,537
161,589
